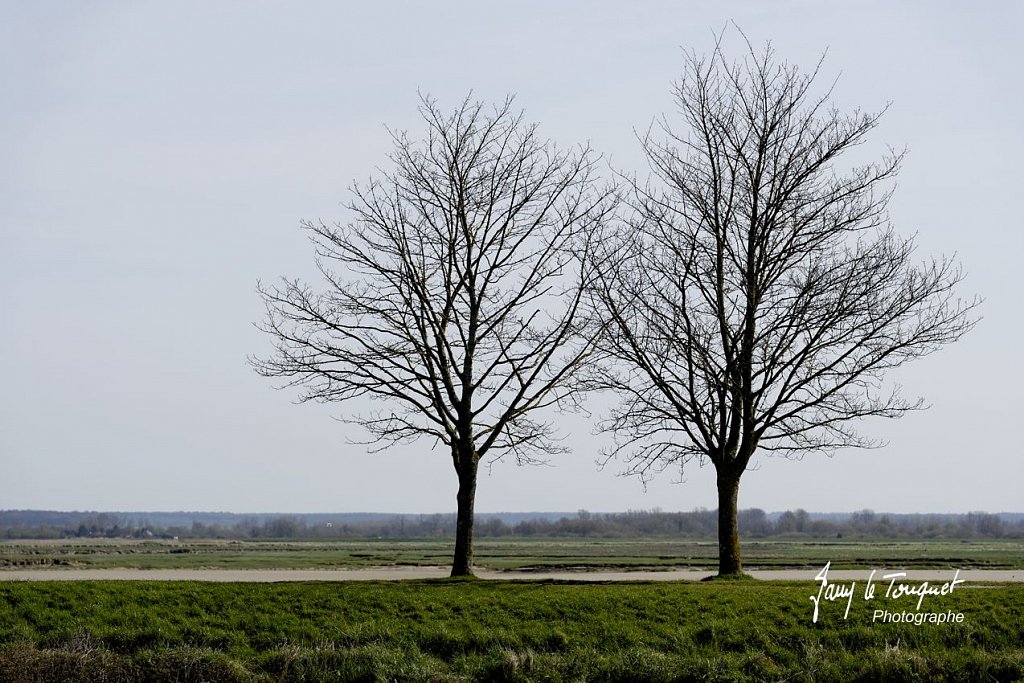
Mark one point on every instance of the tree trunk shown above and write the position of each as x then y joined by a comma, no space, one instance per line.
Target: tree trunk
462,564
728,528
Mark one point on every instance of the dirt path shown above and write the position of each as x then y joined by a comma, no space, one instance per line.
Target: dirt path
397,573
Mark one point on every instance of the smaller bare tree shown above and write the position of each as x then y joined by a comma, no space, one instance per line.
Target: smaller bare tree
453,296
759,296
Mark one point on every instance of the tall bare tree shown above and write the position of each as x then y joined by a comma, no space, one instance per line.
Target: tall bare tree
452,296
759,294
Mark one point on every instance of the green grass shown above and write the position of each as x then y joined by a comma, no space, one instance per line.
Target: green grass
518,553
483,630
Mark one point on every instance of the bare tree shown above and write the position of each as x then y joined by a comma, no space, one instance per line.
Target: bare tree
452,296
758,294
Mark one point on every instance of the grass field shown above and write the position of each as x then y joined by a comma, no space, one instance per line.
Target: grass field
493,630
517,553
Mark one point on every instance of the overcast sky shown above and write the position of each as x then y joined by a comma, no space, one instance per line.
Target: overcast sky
156,159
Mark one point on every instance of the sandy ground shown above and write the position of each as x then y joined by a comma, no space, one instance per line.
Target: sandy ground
397,573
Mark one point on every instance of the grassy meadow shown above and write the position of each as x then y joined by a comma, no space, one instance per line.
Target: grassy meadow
474,630
515,553
462,630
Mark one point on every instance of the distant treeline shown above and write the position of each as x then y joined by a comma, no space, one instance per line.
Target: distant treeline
701,523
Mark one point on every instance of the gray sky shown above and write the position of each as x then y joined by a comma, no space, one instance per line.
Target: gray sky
156,159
